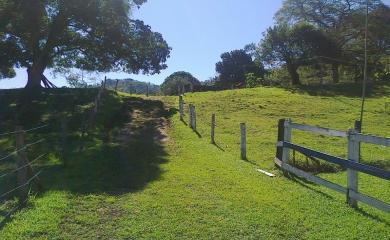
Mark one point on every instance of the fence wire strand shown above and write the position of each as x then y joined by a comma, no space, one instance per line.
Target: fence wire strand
20,186
21,149
24,131
29,164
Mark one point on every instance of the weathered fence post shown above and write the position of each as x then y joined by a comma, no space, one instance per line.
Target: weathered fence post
193,118
212,134
284,135
287,138
181,108
190,115
147,89
353,155
183,90
64,137
105,82
279,149
116,85
23,173
243,141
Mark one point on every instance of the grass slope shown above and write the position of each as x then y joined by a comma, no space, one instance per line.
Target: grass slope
183,187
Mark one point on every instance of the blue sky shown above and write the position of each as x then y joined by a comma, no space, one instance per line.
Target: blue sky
198,31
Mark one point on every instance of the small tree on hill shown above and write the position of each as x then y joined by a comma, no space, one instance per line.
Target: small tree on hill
179,82
233,67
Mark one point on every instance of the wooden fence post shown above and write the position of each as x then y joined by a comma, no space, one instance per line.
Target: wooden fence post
147,89
116,85
243,141
287,138
23,174
279,150
181,108
183,90
212,134
190,115
64,137
104,83
193,118
353,155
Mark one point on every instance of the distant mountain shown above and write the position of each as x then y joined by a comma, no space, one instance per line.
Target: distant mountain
133,86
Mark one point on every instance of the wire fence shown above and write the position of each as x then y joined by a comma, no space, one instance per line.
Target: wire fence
23,169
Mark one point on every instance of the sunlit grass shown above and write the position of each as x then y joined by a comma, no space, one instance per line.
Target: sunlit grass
187,188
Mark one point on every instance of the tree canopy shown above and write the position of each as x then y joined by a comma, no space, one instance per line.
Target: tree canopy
179,82
295,46
343,21
93,35
234,66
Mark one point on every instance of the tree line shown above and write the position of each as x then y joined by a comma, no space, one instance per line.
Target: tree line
312,42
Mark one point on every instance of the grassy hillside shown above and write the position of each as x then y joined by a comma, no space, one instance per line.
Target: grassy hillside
142,184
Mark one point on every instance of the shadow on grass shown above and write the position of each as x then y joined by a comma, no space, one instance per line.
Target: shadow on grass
126,163
122,154
377,89
373,217
307,184
218,146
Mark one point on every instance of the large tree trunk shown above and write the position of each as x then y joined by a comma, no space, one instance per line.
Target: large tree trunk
293,71
335,73
34,78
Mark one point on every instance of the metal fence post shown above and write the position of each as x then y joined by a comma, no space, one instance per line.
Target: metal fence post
353,155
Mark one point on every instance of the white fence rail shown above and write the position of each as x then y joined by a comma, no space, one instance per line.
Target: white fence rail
352,163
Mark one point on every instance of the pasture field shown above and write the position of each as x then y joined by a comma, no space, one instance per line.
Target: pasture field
144,174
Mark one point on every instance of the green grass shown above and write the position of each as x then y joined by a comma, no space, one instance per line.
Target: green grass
185,188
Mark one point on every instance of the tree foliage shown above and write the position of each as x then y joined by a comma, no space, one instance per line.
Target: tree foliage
343,21
179,82
295,46
234,66
93,35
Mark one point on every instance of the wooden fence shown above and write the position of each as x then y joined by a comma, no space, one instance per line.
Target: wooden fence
352,164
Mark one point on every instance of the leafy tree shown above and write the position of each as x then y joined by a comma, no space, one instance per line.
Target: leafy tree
251,80
336,18
93,35
75,81
294,46
233,67
179,82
